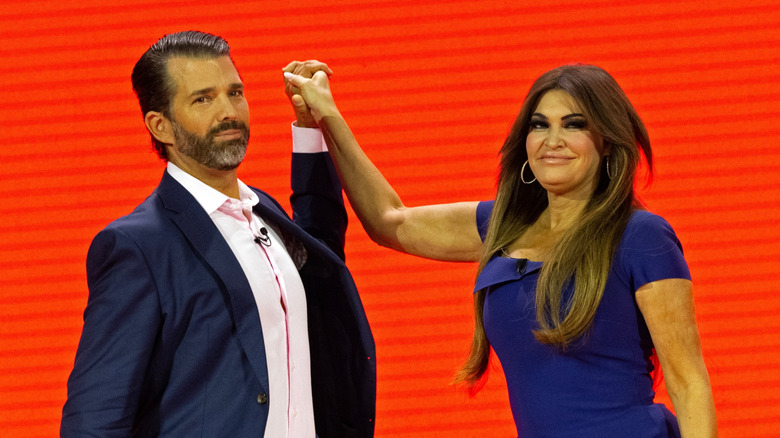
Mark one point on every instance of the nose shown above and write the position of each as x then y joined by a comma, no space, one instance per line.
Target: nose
554,137
227,111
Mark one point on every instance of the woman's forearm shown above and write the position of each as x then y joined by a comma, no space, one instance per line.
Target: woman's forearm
695,410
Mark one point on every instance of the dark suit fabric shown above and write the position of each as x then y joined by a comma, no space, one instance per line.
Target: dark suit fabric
172,343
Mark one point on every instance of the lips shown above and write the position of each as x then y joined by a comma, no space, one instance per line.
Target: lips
229,130
229,133
555,158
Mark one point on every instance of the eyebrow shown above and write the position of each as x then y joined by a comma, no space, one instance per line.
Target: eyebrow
566,117
202,91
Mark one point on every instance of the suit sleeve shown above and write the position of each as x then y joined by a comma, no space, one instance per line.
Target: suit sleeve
121,322
317,200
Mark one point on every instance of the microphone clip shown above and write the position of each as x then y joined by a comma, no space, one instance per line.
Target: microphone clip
522,264
263,240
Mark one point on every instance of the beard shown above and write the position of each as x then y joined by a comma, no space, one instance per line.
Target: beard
226,155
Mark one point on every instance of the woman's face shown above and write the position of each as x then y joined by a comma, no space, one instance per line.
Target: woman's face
563,152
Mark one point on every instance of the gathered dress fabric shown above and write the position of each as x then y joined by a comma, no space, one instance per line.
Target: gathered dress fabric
601,386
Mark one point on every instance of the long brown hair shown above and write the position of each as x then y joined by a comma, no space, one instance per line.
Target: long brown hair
586,250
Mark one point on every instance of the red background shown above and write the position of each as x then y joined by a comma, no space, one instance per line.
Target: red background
430,89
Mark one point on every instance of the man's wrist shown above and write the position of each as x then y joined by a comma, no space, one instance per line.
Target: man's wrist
308,140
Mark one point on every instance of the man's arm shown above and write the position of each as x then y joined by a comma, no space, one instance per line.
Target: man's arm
120,325
317,201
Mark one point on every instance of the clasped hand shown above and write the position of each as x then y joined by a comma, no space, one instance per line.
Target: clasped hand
308,89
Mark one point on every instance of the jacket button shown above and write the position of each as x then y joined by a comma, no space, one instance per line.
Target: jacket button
262,399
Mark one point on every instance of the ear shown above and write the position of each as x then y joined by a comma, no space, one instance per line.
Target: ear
159,126
607,148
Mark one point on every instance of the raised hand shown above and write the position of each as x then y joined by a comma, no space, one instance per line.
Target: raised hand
306,70
313,97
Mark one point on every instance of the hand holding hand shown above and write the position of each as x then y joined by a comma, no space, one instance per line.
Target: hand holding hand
313,97
304,70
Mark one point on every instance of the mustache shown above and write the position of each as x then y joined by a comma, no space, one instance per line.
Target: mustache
228,125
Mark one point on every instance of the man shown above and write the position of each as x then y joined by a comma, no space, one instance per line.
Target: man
210,312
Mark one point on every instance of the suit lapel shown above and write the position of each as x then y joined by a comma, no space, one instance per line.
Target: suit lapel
198,228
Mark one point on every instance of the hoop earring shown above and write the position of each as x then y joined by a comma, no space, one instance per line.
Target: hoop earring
522,171
609,175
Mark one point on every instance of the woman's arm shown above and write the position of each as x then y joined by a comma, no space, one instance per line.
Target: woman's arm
442,232
667,306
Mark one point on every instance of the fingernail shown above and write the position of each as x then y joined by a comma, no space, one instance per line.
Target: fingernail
288,75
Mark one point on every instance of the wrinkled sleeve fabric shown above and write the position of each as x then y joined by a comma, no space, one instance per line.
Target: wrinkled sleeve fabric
317,200
121,321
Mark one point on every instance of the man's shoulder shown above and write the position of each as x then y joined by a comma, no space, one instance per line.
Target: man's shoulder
152,212
147,220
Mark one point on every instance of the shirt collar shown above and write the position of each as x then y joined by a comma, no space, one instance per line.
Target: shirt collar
208,197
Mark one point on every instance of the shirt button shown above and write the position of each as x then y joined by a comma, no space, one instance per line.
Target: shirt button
262,399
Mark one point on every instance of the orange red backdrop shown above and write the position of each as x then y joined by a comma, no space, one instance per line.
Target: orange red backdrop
430,89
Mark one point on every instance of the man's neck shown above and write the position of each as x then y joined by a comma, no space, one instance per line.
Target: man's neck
224,181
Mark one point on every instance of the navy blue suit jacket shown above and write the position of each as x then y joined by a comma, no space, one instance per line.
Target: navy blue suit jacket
172,344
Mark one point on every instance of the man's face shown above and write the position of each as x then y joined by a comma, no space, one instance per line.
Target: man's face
210,115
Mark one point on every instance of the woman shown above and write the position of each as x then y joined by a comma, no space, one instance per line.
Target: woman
578,286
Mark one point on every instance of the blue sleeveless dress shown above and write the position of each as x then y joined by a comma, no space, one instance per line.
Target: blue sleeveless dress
601,387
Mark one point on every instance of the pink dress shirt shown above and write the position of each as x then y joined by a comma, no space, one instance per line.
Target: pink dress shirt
281,304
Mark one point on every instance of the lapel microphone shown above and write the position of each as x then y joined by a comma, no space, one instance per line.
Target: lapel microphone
521,265
264,239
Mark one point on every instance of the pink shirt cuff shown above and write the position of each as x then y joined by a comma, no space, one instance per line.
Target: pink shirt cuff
308,140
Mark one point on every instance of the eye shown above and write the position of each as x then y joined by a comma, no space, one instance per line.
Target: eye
536,125
202,99
237,93
577,125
